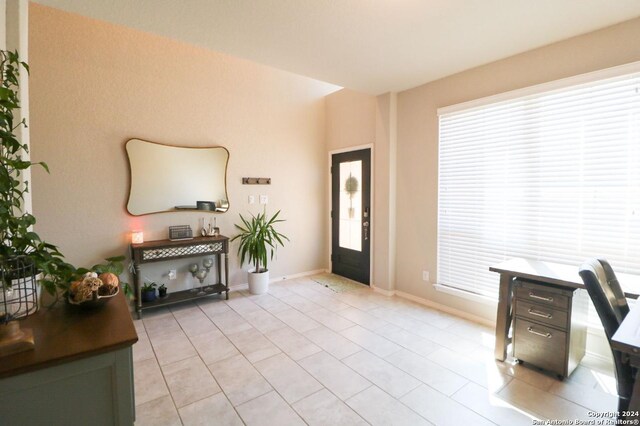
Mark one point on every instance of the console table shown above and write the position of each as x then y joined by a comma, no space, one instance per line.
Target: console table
543,273
164,250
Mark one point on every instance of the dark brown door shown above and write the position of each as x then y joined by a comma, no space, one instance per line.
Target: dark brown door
351,214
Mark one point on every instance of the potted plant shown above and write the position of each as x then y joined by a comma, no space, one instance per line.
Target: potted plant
258,243
16,233
162,291
148,292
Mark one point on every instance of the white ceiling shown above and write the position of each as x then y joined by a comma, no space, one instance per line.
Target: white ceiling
374,46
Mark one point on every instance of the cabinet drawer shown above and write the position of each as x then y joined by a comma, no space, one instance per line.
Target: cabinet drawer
542,294
542,314
539,345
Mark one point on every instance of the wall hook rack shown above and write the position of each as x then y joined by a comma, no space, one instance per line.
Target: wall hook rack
256,181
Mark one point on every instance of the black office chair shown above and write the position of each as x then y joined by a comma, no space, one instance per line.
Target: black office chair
608,298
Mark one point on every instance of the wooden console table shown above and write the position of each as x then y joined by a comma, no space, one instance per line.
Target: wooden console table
80,371
164,250
564,276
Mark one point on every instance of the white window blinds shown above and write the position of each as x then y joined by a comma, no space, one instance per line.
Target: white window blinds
553,175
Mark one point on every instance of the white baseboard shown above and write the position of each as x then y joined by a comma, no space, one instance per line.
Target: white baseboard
245,286
445,308
383,291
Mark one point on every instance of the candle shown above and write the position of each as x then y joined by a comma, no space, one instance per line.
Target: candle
137,237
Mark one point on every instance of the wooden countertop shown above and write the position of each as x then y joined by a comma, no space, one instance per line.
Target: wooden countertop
66,333
563,275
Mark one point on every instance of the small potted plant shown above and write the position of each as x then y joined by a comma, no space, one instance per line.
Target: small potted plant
162,291
258,242
148,292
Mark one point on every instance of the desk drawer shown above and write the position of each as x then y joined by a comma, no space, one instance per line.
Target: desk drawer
542,314
542,295
539,345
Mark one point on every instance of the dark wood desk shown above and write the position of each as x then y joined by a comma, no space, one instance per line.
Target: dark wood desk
627,340
541,272
80,371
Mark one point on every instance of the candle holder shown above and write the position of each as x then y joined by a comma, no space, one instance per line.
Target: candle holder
193,268
207,264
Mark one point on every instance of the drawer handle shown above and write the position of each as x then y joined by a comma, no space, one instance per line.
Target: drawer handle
540,314
535,296
537,333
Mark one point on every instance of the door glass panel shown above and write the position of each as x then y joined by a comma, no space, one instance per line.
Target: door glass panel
351,205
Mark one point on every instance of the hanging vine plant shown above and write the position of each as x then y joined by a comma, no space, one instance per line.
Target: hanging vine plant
16,237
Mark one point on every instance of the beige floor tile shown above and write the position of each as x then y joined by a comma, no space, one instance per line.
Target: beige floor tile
148,381
160,325
390,379
428,372
189,381
543,404
213,306
363,318
196,324
472,331
492,407
186,310
297,320
213,346
440,409
330,319
142,350
269,303
242,305
486,375
300,303
290,380
408,340
139,326
332,342
172,347
430,316
230,322
294,344
323,409
378,408
253,345
215,409
334,375
585,396
330,303
538,378
160,411
263,321
279,291
239,380
370,341
269,409
356,302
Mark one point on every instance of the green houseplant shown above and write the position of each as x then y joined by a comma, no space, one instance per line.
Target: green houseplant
16,235
148,292
258,243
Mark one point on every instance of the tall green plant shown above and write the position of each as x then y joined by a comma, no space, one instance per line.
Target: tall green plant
258,239
16,236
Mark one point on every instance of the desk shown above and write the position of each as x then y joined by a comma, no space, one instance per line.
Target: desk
627,340
541,272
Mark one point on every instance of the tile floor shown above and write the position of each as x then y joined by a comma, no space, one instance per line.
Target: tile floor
303,354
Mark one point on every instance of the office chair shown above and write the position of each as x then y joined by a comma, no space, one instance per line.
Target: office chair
608,298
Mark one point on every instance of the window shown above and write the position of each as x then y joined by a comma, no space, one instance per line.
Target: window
549,173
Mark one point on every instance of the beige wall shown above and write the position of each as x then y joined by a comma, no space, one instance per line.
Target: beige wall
95,85
418,139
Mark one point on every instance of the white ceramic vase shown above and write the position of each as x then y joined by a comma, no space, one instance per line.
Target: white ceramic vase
258,282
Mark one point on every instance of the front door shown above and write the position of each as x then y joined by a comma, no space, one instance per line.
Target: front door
351,214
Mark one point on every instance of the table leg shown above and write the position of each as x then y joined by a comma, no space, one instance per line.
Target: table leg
503,317
226,273
138,290
634,403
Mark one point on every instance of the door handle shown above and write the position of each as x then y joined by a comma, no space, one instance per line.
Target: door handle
540,314
538,333
535,296
365,225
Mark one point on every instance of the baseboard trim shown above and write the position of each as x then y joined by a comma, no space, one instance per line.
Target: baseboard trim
382,291
445,308
245,286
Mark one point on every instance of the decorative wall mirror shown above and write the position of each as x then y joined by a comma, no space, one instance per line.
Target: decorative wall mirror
168,178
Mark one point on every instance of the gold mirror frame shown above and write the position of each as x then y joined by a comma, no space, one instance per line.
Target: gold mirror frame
159,181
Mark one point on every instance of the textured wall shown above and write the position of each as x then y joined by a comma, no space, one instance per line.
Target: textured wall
95,85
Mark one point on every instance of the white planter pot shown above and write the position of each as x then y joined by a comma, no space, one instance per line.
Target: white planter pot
258,282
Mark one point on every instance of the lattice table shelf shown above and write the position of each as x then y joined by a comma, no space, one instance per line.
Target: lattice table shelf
165,250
